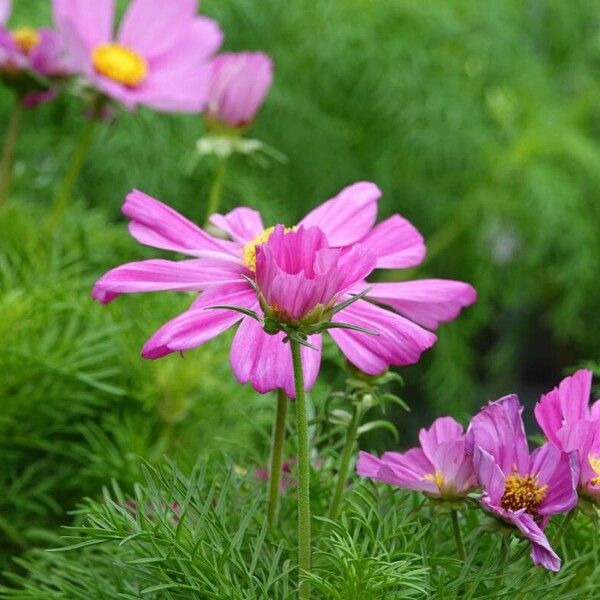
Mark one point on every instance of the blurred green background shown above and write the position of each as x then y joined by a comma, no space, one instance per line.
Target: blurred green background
479,120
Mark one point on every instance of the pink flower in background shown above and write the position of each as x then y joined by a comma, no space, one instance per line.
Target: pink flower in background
572,425
441,467
220,269
25,49
239,83
522,489
159,58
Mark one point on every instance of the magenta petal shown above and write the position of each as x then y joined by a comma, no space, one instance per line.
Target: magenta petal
444,429
200,323
5,10
426,301
93,21
160,275
349,216
541,552
404,470
265,360
400,342
156,224
242,224
489,474
560,472
396,243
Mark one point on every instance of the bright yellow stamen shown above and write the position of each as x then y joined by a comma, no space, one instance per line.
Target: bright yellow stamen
249,256
523,491
27,39
595,464
119,64
437,478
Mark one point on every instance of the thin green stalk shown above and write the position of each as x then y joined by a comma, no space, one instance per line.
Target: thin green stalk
563,527
347,454
304,550
214,199
277,458
63,199
460,547
8,150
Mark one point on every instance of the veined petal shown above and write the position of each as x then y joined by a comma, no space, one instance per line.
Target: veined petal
444,429
156,224
396,243
427,301
400,342
541,552
349,216
560,472
200,323
93,21
161,275
241,224
489,474
266,361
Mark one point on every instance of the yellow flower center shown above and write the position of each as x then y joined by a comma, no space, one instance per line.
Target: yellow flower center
595,464
249,256
27,39
120,64
437,478
523,491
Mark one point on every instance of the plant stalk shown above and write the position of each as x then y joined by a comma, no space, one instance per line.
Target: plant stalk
216,190
304,549
347,454
8,150
460,547
277,458
63,199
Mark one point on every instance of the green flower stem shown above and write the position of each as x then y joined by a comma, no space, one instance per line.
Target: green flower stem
8,150
277,458
460,547
563,527
214,199
304,542
347,454
63,199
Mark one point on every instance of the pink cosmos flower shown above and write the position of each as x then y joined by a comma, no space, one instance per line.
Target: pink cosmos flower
573,426
239,83
25,49
159,58
522,489
221,269
441,467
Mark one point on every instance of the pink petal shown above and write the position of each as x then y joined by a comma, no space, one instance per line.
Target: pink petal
426,301
161,275
241,224
5,10
156,224
349,216
560,472
397,243
489,474
93,21
200,324
266,362
400,342
541,551
595,410
444,429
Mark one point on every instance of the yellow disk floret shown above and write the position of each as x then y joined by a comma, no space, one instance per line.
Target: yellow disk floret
120,64
523,491
249,256
437,478
27,39
595,464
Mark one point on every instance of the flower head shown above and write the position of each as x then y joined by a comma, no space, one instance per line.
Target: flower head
523,489
441,467
238,85
572,425
159,58
227,272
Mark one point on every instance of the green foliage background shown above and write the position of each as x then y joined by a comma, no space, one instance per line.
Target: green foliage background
480,121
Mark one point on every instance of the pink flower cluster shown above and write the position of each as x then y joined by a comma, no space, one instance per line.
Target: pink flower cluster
297,276
522,488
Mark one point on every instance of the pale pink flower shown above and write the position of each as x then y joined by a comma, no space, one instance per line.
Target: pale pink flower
239,83
160,56
441,467
221,269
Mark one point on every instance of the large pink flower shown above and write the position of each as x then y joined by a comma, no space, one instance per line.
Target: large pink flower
522,489
441,467
239,83
221,269
25,49
572,425
160,56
